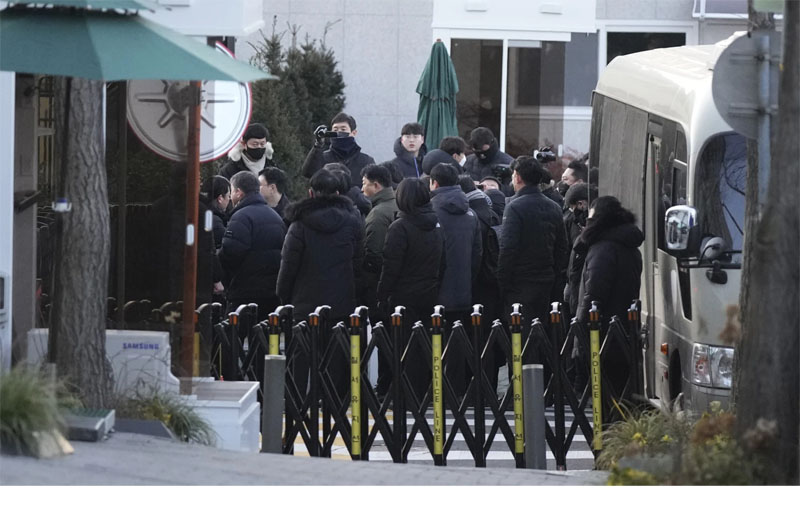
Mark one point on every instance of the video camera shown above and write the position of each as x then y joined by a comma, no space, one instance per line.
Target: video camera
322,132
544,155
502,173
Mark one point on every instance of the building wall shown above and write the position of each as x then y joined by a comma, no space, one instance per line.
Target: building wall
381,46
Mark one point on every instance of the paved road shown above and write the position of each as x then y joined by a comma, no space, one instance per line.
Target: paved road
131,459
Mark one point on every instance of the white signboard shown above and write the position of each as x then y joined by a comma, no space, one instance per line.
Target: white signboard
158,112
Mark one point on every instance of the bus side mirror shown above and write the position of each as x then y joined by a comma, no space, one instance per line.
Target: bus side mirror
678,223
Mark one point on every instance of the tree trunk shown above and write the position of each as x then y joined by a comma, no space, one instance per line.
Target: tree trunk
78,322
768,379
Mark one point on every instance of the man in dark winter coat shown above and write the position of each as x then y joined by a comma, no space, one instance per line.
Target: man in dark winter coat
377,186
251,247
322,255
273,189
574,221
463,252
456,148
343,150
533,245
486,154
254,152
321,261
612,277
613,267
409,149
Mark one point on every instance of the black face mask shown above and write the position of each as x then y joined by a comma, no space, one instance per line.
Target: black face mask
255,154
581,216
485,156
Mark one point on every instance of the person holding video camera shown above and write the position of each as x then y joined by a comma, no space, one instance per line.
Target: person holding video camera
487,159
343,148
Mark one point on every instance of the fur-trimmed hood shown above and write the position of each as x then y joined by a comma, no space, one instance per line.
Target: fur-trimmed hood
323,213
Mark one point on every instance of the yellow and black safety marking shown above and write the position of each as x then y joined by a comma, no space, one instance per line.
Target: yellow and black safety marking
597,397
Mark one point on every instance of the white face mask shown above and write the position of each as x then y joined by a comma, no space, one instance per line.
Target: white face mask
463,160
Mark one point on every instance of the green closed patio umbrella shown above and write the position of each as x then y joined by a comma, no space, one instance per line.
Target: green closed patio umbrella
437,89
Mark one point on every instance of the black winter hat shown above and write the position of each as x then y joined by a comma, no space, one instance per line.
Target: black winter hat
437,156
256,131
577,192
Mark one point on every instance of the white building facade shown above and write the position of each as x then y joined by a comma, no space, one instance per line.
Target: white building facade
526,68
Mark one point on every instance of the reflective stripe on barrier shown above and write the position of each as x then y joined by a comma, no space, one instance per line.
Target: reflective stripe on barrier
438,399
355,387
516,376
597,400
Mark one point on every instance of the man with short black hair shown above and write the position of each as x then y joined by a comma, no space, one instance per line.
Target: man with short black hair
273,187
409,149
576,172
533,244
455,147
254,152
377,186
349,189
251,247
486,156
343,149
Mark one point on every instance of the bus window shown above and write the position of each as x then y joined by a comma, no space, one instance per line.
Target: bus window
679,178
721,184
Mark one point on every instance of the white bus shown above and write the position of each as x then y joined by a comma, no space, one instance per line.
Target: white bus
663,149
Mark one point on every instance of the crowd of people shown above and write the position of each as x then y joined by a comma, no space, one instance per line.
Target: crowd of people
459,225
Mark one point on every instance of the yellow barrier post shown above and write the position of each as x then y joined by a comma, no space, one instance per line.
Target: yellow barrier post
438,402
274,334
355,387
516,377
597,397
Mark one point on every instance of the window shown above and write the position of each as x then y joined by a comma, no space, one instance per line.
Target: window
623,43
479,66
721,185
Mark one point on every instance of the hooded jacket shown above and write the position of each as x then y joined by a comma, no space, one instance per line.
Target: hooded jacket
612,269
405,164
463,247
411,259
355,160
239,161
322,256
251,249
479,169
438,156
533,244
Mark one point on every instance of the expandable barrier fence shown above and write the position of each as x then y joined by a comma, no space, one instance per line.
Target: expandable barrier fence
326,376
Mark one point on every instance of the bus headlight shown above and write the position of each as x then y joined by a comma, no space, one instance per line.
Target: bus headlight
712,366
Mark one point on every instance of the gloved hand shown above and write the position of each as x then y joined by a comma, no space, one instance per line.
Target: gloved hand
319,135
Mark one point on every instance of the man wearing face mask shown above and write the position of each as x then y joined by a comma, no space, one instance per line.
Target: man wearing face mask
254,152
577,203
486,154
343,149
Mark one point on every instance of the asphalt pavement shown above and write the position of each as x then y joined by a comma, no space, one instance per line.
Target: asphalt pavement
133,459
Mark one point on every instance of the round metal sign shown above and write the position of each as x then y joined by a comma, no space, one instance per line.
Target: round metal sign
158,114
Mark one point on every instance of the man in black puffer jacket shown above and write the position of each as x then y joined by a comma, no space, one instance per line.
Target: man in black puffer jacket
533,245
462,259
486,154
343,150
251,247
410,150
611,276
322,256
321,262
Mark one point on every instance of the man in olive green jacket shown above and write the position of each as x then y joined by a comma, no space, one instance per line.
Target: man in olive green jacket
376,184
